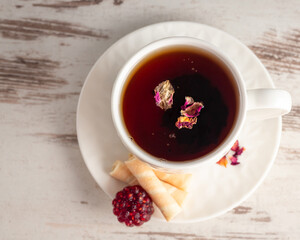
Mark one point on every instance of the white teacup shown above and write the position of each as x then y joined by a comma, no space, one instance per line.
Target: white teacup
256,104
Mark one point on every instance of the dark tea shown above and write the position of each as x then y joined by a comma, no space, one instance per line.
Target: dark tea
192,73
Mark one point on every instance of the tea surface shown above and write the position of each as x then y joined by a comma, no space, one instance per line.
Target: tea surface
194,74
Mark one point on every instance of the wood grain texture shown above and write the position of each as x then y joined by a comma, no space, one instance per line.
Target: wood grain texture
292,120
280,52
23,78
31,29
46,50
68,4
74,4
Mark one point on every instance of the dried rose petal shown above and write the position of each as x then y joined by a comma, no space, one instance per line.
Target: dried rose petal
223,161
164,95
157,98
239,151
235,146
185,122
193,110
237,163
233,160
233,154
189,112
170,102
188,101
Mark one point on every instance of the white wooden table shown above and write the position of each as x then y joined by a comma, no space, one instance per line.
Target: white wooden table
46,51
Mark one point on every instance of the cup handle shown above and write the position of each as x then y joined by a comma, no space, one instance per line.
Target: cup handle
267,103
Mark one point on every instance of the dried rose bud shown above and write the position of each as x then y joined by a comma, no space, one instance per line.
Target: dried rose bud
188,101
189,113
185,122
192,110
164,95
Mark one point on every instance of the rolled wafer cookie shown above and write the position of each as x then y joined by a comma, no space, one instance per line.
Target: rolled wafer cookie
154,187
122,173
178,180
178,194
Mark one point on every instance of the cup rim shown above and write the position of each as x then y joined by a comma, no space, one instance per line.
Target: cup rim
121,80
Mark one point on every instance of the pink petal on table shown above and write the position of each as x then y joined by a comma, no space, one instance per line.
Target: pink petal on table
235,146
239,151
233,160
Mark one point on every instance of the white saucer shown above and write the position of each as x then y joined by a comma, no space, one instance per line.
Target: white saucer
215,189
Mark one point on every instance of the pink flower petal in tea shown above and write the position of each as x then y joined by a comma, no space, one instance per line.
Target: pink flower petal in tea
188,101
189,112
235,146
157,98
185,122
192,110
164,95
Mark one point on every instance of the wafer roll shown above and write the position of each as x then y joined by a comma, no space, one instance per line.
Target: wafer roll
153,186
122,173
178,180
178,194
